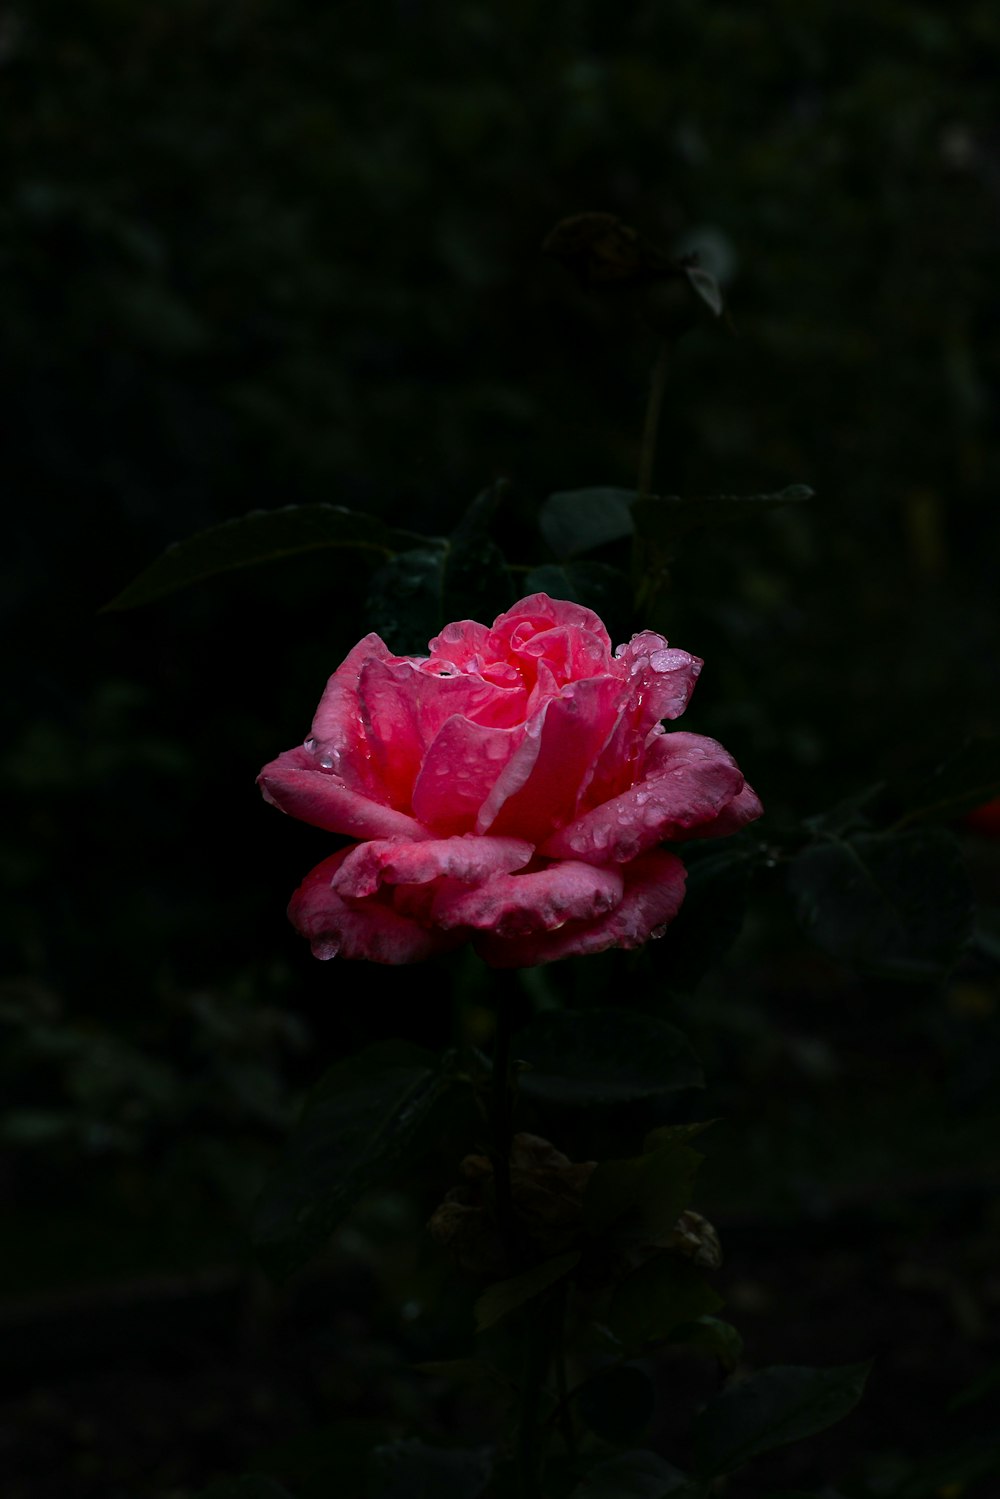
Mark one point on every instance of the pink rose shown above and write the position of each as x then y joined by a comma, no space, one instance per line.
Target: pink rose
513,788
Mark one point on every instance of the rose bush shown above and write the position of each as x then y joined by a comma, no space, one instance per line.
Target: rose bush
512,788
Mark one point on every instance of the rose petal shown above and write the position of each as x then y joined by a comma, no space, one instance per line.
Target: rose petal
328,715
539,787
735,815
659,683
403,708
337,737
464,644
654,890
459,770
688,780
370,930
401,863
545,612
570,654
295,785
541,900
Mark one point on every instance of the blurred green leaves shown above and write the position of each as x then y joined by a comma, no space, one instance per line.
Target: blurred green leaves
260,537
634,1475
579,520
364,1121
898,905
658,1299
507,1296
417,592
770,1409
961,780
608,1056
648,1191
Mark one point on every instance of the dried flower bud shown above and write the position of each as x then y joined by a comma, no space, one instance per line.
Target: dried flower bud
695,1238
546,1198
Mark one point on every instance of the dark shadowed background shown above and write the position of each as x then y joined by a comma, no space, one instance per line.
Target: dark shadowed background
267,253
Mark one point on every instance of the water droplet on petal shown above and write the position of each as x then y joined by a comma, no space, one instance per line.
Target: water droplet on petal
309,744
657,932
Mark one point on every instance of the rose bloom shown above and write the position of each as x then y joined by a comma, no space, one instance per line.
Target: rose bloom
513,788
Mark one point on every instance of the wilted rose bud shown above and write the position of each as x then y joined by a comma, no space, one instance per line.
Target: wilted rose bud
695,1238
669,294
546,1190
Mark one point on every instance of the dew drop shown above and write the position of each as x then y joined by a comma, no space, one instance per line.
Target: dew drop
657,932
309,744
663,660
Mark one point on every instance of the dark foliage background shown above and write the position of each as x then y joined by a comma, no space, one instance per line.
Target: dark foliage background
267,252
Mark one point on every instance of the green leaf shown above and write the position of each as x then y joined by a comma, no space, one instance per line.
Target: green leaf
894,904
361,1124
578,520
604,1057
507,1295
595,585
475,582
416,593
770,1409
711,918
617,1403
412,1469
963,780
405,600
262,536
251,1487
664,520
655,1300
711,1335
654,1189
675,1134
634,1475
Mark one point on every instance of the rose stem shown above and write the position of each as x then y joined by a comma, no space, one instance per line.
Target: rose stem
651,426
501,1112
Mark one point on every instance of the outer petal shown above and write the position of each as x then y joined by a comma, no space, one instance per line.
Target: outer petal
367,930
543,900
688,780
293,784
337,737
539,787
658,684
329,714
459,771
469,860
742,809
662,678
654,890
